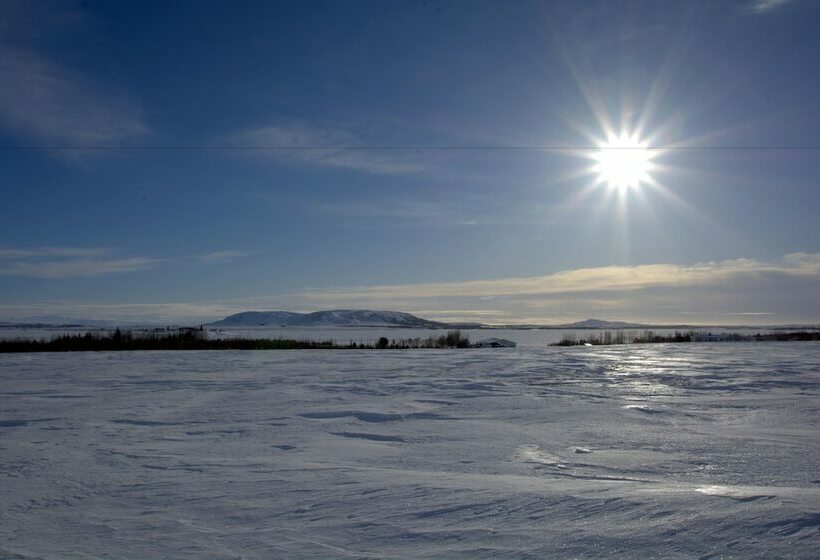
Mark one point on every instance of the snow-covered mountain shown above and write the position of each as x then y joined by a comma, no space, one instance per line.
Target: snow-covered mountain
259,318
335,318
348,317
368,318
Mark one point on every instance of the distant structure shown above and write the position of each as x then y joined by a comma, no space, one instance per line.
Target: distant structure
495,343
714,337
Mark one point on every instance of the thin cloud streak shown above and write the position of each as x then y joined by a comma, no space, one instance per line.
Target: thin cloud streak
734,291
319,146
68,262
75,268
657,293
51,103
222,256
121,313
606,278
17,253
763,6
78,262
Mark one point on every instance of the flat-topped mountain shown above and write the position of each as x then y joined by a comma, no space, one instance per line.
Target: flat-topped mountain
259,318
335,318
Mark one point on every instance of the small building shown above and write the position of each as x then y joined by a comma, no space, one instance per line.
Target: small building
495,343
714,337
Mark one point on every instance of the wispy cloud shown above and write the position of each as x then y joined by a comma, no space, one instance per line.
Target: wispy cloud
48,102
17,253
73,262
222,256
396,212
608,278
788,289
68,262
431,207
75,268
762,6
304,144
723,292
121,313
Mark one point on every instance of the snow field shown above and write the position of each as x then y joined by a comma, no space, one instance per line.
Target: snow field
656,451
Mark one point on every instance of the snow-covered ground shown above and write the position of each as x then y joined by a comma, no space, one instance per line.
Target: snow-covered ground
653,451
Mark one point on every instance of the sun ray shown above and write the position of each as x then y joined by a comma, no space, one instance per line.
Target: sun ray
638,160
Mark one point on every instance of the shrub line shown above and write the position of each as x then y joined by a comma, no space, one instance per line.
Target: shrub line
197,339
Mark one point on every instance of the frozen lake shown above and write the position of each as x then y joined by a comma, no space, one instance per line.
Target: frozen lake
652,451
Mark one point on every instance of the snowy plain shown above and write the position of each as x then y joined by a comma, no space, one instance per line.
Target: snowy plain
638,451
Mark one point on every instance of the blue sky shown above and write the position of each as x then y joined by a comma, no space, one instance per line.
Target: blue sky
139,181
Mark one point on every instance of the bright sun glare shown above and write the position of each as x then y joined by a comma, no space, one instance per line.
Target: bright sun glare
623,162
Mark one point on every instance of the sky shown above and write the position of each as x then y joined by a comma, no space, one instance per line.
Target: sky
179,161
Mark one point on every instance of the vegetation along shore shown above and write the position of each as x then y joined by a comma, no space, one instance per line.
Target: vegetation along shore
197,339
606,338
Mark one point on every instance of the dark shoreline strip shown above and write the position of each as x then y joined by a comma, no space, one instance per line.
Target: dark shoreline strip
196,339
624,336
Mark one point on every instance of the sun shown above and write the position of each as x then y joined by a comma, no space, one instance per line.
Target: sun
623,162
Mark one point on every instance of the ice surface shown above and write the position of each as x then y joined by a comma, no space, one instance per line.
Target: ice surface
655,451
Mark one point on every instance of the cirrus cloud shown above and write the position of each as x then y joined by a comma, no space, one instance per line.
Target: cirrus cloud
68,262
715,292
763,6
49,102
748,291
302,144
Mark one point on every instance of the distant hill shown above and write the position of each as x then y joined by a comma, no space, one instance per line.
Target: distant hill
335,318
367,318
54,321
601,324
258,318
